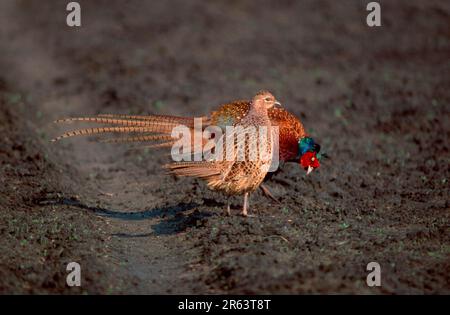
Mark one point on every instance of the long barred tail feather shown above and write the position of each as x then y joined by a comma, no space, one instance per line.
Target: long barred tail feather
139,139
91,131
102,120
160,145
152,118
156,125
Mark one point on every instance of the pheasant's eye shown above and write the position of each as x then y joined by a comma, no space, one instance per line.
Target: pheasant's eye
267,99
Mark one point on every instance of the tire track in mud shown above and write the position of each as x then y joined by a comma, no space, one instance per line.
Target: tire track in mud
104,178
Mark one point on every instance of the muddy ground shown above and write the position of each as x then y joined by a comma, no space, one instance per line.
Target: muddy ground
377,99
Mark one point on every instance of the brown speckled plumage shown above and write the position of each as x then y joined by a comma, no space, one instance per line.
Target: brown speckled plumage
236,177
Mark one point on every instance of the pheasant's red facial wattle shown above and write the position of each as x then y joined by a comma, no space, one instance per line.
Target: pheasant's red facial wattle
309,161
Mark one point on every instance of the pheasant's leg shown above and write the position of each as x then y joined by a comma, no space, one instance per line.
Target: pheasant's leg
244,208
267,193
228,211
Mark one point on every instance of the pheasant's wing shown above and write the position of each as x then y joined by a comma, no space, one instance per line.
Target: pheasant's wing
230,114
202,169
218,164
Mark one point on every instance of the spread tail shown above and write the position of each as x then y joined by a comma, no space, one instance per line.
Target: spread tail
161,124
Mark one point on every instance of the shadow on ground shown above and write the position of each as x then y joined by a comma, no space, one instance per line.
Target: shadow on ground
173,218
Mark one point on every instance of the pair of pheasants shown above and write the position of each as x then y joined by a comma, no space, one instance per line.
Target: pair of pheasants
231,176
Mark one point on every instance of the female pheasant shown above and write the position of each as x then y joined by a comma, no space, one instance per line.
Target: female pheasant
294,144
233,176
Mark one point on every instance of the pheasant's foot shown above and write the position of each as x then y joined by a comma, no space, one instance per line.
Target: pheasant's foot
267,193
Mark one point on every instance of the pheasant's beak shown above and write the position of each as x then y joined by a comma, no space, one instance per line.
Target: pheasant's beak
277,104
310,169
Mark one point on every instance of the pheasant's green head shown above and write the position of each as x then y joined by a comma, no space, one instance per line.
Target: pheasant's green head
309,154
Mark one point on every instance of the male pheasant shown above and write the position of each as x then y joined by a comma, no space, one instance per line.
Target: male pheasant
294,144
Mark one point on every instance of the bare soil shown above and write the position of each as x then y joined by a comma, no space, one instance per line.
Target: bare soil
376,99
